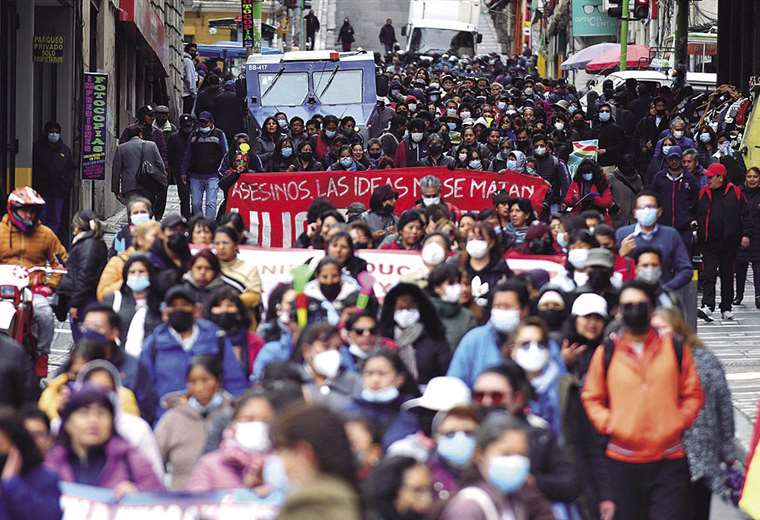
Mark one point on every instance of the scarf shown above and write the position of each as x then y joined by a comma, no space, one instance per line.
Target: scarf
405,339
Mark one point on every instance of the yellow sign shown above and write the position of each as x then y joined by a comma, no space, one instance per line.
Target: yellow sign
47,48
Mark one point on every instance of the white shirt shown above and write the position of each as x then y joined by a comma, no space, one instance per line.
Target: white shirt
187,343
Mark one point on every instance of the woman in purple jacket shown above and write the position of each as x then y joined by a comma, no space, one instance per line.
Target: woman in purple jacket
89,451
27,488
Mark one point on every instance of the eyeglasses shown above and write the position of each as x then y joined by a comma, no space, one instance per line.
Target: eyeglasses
588,8
364,332
496,398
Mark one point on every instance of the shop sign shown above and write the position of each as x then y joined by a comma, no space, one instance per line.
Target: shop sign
94,129
47,48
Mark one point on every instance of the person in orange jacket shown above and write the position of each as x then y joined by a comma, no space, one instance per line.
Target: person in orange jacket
642,390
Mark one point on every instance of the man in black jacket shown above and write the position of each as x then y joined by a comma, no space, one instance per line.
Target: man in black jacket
312,27
550,169
206,148
723,227
388,36
176,150
53,171
611,137
229,111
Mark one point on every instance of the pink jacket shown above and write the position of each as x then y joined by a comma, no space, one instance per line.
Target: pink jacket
224,468
123,462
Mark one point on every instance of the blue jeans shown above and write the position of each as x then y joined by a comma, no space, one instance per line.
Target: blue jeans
209,186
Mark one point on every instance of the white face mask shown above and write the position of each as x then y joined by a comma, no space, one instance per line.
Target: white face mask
253,435
477,248
577,257
649,274
327,363
580,278
433,254
504,320
417,136
452,293
532,357
431,201
406,317
559,125
540,150
139,218
678,134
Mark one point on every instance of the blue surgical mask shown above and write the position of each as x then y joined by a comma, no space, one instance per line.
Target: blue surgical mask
54,137
457,450
502,105
286,152
138,283
562,239
646,216
475,164
330,133
587,176
604,116
283,123
704,137
205,129
202,409
346,162
385,395
511,164
452,126
508,473
139,218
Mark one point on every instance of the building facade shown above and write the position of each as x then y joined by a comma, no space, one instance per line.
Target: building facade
48,46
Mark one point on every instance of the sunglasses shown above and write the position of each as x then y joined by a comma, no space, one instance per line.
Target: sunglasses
363,332
496,398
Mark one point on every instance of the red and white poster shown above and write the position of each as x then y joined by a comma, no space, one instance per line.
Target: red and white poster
273,205
387,267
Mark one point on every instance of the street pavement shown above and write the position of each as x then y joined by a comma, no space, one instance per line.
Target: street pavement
367,17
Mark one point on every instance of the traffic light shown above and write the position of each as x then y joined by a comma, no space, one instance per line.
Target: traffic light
640,9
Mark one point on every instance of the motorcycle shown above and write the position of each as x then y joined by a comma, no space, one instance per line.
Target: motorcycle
18,285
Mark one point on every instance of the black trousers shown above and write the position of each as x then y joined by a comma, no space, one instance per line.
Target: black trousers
718,259
183,191
159,204
700,496
741,267
651,491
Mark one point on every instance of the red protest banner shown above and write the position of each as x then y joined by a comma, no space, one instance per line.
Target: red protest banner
273,205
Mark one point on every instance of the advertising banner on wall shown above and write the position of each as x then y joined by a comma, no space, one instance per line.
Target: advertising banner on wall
94,129
590,19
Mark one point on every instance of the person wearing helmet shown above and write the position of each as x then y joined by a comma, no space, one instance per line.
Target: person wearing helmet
28,243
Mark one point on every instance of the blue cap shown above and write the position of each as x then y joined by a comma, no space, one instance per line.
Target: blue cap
674,150
205,117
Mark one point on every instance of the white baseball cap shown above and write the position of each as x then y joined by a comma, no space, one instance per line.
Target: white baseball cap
442,393
589,303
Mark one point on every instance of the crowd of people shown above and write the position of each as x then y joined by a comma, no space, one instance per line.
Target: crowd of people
470,390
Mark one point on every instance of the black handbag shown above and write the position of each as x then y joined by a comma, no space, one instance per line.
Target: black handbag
148,176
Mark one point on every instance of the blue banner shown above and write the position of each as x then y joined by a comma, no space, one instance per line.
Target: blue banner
81,502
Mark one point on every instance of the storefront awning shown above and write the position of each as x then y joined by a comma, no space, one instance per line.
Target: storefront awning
148,23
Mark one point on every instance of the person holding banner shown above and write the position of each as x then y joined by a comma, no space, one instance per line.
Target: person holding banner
305,161
590,189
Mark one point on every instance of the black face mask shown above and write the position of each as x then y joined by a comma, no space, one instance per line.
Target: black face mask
330,291
306,156
522,145
180,320
177,244
598,279
636,317
553,317
227,320
361,245
375,155
386,210
436,149
485,411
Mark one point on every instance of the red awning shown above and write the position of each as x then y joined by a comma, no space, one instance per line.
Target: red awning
637,57
148,23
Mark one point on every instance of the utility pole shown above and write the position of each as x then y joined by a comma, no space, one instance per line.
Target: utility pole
682,32
624,15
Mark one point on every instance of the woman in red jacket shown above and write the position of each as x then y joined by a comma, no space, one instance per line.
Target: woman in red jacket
589,189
